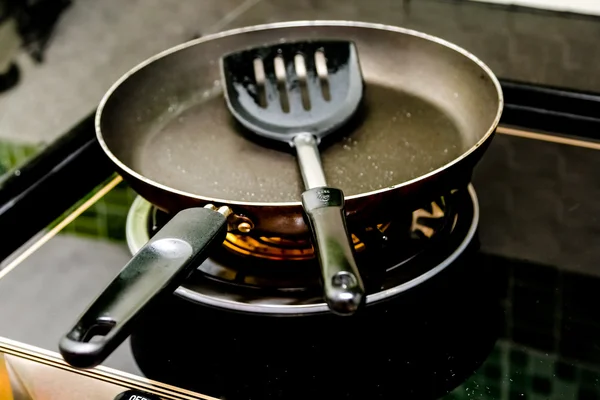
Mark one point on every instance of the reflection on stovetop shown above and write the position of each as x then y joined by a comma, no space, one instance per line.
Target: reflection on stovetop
406,258
421,344
424,334
263,270
542,279
538,236
543,322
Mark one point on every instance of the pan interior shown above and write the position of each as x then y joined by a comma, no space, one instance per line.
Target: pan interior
202,150
425,105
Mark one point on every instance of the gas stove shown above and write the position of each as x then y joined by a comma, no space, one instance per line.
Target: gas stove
489,292
258,302
273,275
481,292
477,293
448,310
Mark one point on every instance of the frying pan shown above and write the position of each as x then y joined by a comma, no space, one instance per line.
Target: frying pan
429,112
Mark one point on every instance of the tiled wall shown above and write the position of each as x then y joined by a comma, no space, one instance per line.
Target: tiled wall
538,47
548,349
515,372
106,218
14,154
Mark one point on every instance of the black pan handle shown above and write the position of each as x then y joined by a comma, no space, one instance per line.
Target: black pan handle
344,289
157,268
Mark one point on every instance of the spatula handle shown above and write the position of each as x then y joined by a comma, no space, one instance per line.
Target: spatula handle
344,290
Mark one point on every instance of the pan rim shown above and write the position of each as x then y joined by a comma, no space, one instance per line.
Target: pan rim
294,24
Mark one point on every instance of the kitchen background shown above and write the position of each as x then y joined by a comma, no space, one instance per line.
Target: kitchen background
591,7
94,42
74,50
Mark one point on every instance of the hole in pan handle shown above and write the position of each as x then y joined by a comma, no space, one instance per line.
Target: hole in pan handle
156,269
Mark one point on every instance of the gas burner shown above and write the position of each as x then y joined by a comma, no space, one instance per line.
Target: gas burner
418,343
412,229
273,275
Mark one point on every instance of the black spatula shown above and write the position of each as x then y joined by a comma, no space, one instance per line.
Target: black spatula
298,93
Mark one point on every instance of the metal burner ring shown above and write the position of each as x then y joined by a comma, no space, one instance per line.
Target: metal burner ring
318,306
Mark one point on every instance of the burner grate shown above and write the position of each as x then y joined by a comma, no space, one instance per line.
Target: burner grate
395,257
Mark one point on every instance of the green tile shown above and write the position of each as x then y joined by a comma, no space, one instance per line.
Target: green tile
518,358
517,395
473,386
91,212
564,390
542,365
18,155
90,216
590,378
541,385
115,227
587,394
69,229
566,371
122,185
493,392
117,211
493,372
482,392
4,160
119,197
101,219
518,380
86,227
452,396
537,396
85,220
496,353
131,194
13,154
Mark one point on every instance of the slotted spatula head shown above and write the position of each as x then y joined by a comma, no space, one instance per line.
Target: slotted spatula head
281,90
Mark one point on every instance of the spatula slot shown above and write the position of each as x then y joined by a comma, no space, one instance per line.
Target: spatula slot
280,74
259,77
323,74
300,66
292,87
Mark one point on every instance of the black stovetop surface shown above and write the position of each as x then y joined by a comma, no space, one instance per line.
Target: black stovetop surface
527,327
522,321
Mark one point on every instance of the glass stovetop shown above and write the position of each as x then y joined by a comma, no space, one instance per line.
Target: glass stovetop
539,222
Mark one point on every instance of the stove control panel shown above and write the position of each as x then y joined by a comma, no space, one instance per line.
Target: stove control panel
36,375
136,395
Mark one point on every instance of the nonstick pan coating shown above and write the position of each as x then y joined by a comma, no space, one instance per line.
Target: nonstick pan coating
428,105
401,138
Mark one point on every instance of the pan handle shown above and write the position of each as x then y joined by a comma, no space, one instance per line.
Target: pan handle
344,289
157,268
